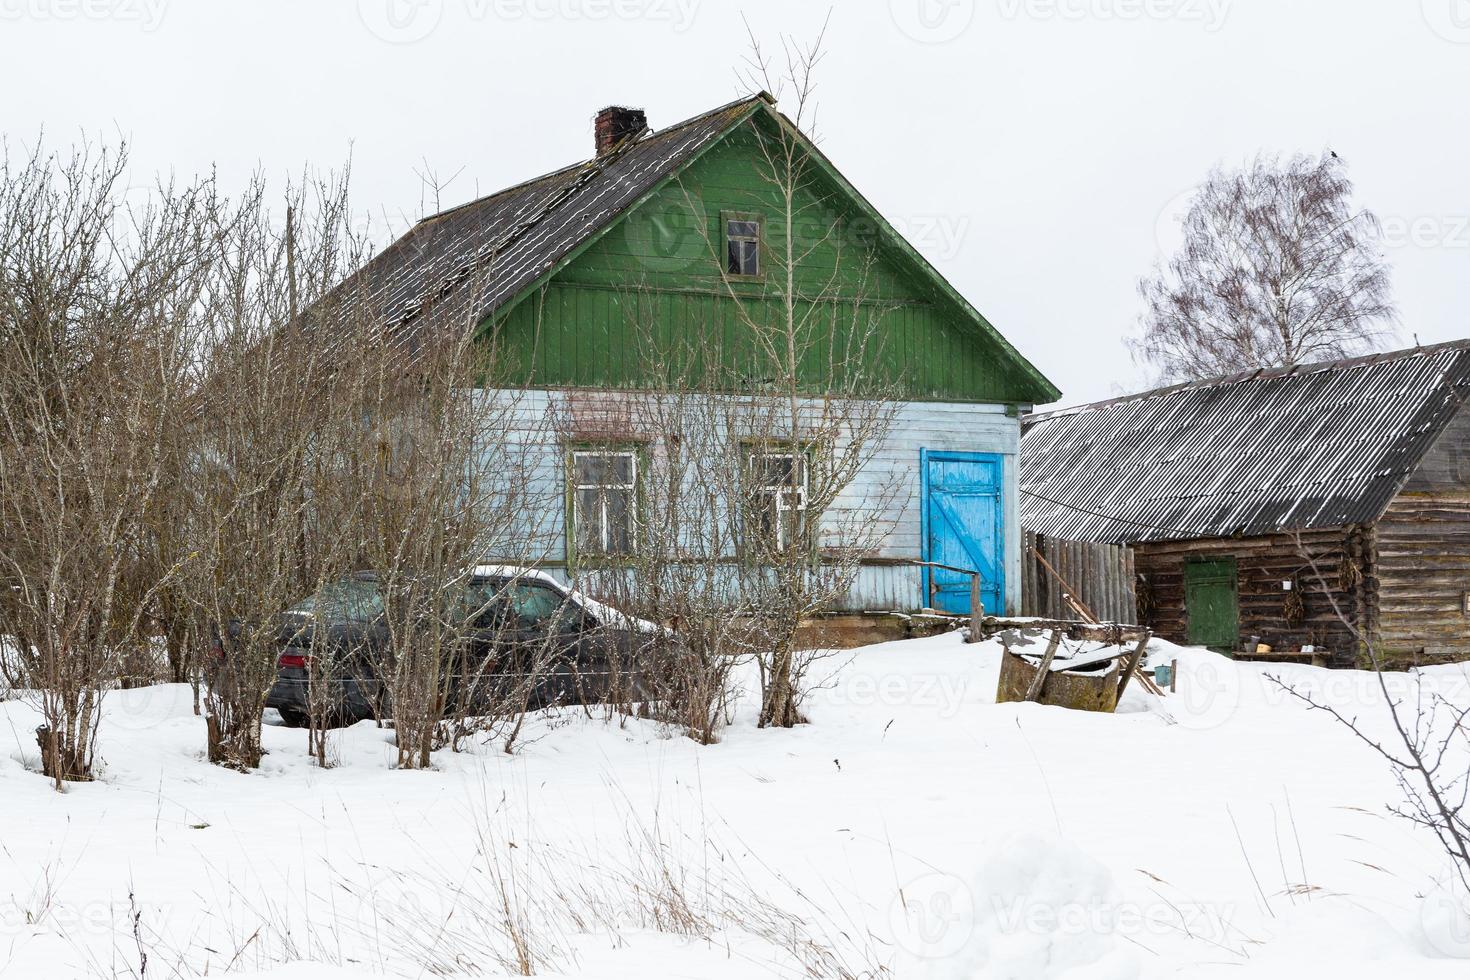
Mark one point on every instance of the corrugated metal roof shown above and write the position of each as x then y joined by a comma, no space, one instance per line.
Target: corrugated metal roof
1313,446
462,264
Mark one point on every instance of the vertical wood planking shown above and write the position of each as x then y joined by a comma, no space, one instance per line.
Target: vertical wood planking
1102,575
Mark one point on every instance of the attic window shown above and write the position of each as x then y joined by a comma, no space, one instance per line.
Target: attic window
742,245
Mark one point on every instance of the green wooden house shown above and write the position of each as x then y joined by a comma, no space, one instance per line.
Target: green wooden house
680,236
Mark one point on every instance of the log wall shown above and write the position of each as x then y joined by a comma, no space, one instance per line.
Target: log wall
1262,565
1416,589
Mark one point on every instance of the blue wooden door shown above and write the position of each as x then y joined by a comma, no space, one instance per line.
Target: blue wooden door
964,526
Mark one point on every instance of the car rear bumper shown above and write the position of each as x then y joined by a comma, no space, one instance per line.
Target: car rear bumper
351,700
354,699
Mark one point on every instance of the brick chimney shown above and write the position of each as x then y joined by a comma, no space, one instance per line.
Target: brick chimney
615,124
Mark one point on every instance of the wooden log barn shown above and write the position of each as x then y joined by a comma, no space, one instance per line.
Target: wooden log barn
1315,507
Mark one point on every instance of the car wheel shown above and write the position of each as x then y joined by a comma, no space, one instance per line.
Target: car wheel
293,717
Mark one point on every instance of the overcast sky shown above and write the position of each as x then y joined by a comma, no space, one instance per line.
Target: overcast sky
1036,151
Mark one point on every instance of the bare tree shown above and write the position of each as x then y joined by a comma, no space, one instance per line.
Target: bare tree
97,342
673,564
1277,268
759,502
450,486
823,396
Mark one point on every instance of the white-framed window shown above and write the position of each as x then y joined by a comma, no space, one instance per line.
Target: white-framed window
604,501
742,246
779,485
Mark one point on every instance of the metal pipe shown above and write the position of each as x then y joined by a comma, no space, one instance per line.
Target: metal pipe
977,606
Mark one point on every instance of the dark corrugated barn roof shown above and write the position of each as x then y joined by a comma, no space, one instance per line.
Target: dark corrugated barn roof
460,265
1320,445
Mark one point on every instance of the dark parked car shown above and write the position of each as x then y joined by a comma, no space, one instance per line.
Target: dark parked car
525,638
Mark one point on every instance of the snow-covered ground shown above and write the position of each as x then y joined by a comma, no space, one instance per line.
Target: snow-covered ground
914,825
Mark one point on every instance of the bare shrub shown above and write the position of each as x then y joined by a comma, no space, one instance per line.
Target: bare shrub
451,485
1427,749
98,333
756,504
332,439
275,442
677,570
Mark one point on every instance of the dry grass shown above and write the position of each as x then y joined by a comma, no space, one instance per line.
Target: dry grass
517,906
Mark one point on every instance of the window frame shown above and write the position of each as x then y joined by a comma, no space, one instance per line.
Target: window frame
726,217
637,452
785,450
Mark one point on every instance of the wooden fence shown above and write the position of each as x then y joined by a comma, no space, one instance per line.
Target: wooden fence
1101,574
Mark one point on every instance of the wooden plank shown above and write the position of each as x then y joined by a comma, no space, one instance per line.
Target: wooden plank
1070,594
1133,661
1034,691
1111,634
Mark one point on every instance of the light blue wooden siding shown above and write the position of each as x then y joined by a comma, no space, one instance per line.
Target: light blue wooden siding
545,421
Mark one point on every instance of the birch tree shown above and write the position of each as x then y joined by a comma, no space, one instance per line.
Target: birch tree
1277,267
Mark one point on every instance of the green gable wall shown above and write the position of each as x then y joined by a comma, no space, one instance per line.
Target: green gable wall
657,275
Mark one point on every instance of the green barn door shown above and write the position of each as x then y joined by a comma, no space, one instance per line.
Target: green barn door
1213,609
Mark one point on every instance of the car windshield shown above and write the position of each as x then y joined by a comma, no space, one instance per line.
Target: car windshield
351,600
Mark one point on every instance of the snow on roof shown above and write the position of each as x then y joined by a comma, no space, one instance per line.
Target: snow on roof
515,571
1312,446
605,614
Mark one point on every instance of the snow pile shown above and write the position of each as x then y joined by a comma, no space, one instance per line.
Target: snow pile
914,827
1046,910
